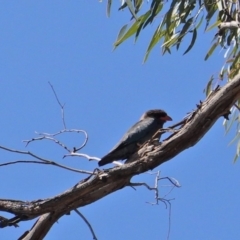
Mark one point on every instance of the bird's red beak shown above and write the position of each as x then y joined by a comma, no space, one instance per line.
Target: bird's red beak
166,118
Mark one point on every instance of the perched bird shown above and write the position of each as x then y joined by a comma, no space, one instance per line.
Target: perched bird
150,122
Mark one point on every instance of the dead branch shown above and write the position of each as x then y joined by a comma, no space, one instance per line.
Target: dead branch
229,25
59,103
87,222
90,158
52,137
41,161
167,202
41,226
108,181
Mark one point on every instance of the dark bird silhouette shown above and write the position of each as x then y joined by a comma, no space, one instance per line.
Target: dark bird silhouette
150,122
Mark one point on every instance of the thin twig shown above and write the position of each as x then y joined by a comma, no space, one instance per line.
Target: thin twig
21,161
178,124
169,220
87,222
172,187
90,158
62,106
48,163
63,131
50,136
74,154
3,219
157,198
155,188
172,180
141,184
43,160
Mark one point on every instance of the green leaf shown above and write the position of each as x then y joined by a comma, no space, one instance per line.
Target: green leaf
128,34
173,39
230,37
211,51
157,7
209,86
208,4
229,125
142,19
182,7
109,4
122,31
238,150
210,14
238,146
232,54
155,39
194,36
131,8
213,25
187,11
168,15
235,60
166,49
199,23
219,5
137,5
136,26
235,158
222,72
184,30
123,6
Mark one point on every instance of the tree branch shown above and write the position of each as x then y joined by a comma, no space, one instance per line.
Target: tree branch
229,25
108,181
87,222
41,161
59,103
41,226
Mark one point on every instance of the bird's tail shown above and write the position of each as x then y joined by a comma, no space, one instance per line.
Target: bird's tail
105,160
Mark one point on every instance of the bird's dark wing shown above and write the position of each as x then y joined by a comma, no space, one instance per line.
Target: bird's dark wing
137,132
128,144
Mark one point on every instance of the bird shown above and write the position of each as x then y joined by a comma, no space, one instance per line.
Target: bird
149,123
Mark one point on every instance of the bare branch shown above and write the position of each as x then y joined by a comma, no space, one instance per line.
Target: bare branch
43,161
87,222
21,161
172,180
59,103
157,198
50,136
169,219
90,158
41,226
63,131
105,182
155,188
3,219
229,25
138,184
74,154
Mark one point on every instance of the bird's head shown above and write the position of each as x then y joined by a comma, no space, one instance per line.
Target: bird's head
157,114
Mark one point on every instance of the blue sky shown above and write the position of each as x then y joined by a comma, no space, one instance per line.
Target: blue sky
70,43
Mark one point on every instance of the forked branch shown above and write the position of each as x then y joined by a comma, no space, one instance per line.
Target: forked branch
105,182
